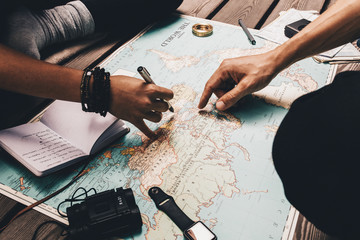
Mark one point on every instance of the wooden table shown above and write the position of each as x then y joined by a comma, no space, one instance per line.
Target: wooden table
255,13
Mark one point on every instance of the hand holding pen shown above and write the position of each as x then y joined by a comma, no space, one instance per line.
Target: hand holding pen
134,101
146,76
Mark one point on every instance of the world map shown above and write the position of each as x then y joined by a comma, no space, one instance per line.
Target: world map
216,165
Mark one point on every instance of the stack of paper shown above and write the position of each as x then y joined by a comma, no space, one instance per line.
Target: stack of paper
275,32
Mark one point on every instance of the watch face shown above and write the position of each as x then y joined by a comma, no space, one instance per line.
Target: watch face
199,231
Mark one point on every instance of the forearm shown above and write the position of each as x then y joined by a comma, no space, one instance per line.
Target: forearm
245,75
336,26
22,74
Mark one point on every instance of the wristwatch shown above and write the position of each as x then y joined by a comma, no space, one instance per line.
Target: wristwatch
192,230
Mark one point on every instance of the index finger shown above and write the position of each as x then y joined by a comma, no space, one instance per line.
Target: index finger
163,93
145,129
210,87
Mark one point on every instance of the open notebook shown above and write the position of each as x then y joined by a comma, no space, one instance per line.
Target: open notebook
63,136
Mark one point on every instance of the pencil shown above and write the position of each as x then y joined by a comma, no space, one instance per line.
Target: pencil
248,34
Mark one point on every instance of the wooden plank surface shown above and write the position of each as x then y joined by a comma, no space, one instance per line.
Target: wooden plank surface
26,225
327,4
255,13
6,206
250,11
307,231
297,4
199,8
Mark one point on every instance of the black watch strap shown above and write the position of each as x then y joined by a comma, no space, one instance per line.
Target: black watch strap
167,204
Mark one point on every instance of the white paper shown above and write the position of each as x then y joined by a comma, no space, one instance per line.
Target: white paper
38,147
67,117
275,31
62,137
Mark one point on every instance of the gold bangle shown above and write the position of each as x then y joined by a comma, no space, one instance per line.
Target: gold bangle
202,30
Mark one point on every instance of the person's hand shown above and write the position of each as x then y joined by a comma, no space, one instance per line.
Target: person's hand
134,100
237,77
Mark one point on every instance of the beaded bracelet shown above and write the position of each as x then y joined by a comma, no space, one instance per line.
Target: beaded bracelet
98,100
85,89
106,94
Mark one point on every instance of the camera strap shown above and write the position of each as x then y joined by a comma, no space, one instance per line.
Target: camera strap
167,204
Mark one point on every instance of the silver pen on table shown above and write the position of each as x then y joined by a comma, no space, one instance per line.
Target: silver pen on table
248,34
146,76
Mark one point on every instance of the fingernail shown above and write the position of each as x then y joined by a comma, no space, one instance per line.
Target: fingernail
220,105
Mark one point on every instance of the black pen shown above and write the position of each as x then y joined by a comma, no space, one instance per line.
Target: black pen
248,34
146,76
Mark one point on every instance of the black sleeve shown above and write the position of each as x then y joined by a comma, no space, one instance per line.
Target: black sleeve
316,154
124,15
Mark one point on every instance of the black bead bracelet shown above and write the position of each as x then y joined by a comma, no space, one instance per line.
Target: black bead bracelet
98,99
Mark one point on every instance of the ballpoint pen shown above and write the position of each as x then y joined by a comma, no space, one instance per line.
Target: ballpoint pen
248,34
146,76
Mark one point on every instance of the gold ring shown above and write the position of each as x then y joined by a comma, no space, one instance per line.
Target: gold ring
202,30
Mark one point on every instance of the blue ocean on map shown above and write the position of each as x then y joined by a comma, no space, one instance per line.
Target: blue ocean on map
217,165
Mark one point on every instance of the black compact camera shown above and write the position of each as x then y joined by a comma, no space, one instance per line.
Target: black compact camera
106,214
295,27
